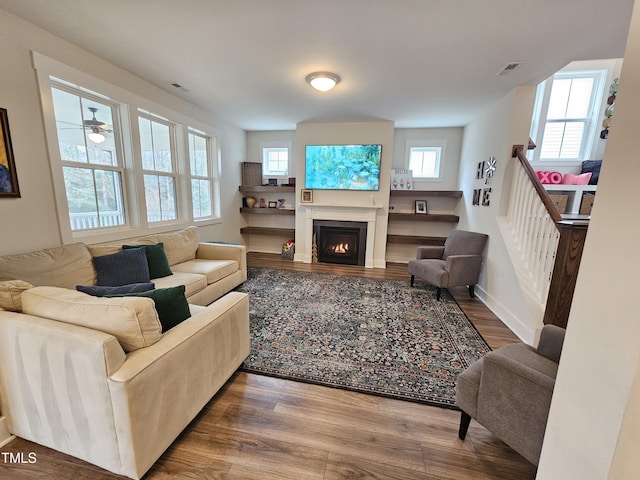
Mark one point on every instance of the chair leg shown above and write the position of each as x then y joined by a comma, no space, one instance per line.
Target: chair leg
472,291
438,293
465,420
412,279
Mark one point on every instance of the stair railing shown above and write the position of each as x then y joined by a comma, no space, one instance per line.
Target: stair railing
534,222
550,247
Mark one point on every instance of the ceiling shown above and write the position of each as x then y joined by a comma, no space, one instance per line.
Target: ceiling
418,63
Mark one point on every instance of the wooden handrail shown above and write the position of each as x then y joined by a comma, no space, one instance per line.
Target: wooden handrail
518,152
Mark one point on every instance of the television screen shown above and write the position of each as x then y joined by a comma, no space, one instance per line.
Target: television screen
343,167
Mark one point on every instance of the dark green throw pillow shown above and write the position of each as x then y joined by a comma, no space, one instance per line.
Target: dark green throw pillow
171,304
156,258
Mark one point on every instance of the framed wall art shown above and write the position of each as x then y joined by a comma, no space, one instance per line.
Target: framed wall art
8,178
306,196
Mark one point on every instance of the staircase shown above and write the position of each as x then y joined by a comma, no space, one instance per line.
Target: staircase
545,248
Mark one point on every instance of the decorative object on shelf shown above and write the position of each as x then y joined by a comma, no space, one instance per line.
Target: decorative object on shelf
421,207
288,249
251,173
273,182
273,204
608,111
263,203
251,201
8,177
306,196
281,203
401,179
549,178
490,169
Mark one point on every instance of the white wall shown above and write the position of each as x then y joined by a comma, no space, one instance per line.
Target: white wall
347,133
592,432
30,221
493,133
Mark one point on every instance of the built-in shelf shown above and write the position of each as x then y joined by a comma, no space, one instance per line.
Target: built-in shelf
265,189
421,217
268,211
426,193
280,232
415,240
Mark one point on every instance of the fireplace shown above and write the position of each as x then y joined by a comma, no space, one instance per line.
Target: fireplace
340,242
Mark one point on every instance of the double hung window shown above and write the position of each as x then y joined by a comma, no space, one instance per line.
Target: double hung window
567,110
122,165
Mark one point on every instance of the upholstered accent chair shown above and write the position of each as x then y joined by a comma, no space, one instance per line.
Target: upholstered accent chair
458,262
509,390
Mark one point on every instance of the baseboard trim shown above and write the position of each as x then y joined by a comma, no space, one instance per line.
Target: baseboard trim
5,436
520,328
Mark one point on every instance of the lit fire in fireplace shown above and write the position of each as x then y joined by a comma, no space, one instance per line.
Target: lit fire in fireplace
341,248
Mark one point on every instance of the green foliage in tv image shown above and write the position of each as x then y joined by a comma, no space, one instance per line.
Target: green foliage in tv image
343,167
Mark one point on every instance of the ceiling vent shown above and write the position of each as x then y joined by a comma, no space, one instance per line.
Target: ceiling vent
178,86
509,68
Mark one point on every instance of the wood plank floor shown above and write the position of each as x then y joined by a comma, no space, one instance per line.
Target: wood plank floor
265,428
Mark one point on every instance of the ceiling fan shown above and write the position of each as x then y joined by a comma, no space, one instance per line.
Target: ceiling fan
97,127
98,130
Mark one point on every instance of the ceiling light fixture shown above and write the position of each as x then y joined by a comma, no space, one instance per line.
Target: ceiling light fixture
323,81
95,136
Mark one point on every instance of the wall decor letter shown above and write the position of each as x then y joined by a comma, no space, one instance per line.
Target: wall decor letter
476,196
485,197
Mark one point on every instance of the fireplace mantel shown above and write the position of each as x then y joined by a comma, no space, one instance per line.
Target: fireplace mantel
347,213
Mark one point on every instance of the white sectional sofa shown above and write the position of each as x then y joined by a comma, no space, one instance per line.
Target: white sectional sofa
96,377
207,270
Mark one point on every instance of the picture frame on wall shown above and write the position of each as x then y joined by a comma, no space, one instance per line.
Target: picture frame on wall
8,178
306,196
421,207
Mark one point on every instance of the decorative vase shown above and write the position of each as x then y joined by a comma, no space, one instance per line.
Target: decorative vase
251,201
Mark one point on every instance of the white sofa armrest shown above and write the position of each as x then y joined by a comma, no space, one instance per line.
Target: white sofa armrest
161,388
223,251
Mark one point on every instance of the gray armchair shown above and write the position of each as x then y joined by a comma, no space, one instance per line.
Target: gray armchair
509,390
458,262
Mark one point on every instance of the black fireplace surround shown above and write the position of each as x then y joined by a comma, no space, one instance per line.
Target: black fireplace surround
340,242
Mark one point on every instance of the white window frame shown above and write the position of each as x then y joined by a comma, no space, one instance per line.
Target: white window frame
541,106
212,172
280,145
439,146
129,106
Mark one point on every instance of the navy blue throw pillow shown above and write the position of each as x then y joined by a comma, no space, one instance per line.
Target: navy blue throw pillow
592,166
101,291
122,268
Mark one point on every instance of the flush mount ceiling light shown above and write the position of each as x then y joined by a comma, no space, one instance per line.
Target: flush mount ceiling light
323,81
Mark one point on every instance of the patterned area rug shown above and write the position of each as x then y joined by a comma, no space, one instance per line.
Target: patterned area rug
375,336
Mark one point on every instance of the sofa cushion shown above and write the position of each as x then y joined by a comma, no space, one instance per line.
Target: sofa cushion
171,305
132,320
104,290
179,246
11,294
156,259
193,282
65,266
122,268
214,270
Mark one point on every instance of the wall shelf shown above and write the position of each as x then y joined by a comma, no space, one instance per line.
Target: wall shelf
429,217
426,193
266,189
279,232
268,211
415,240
